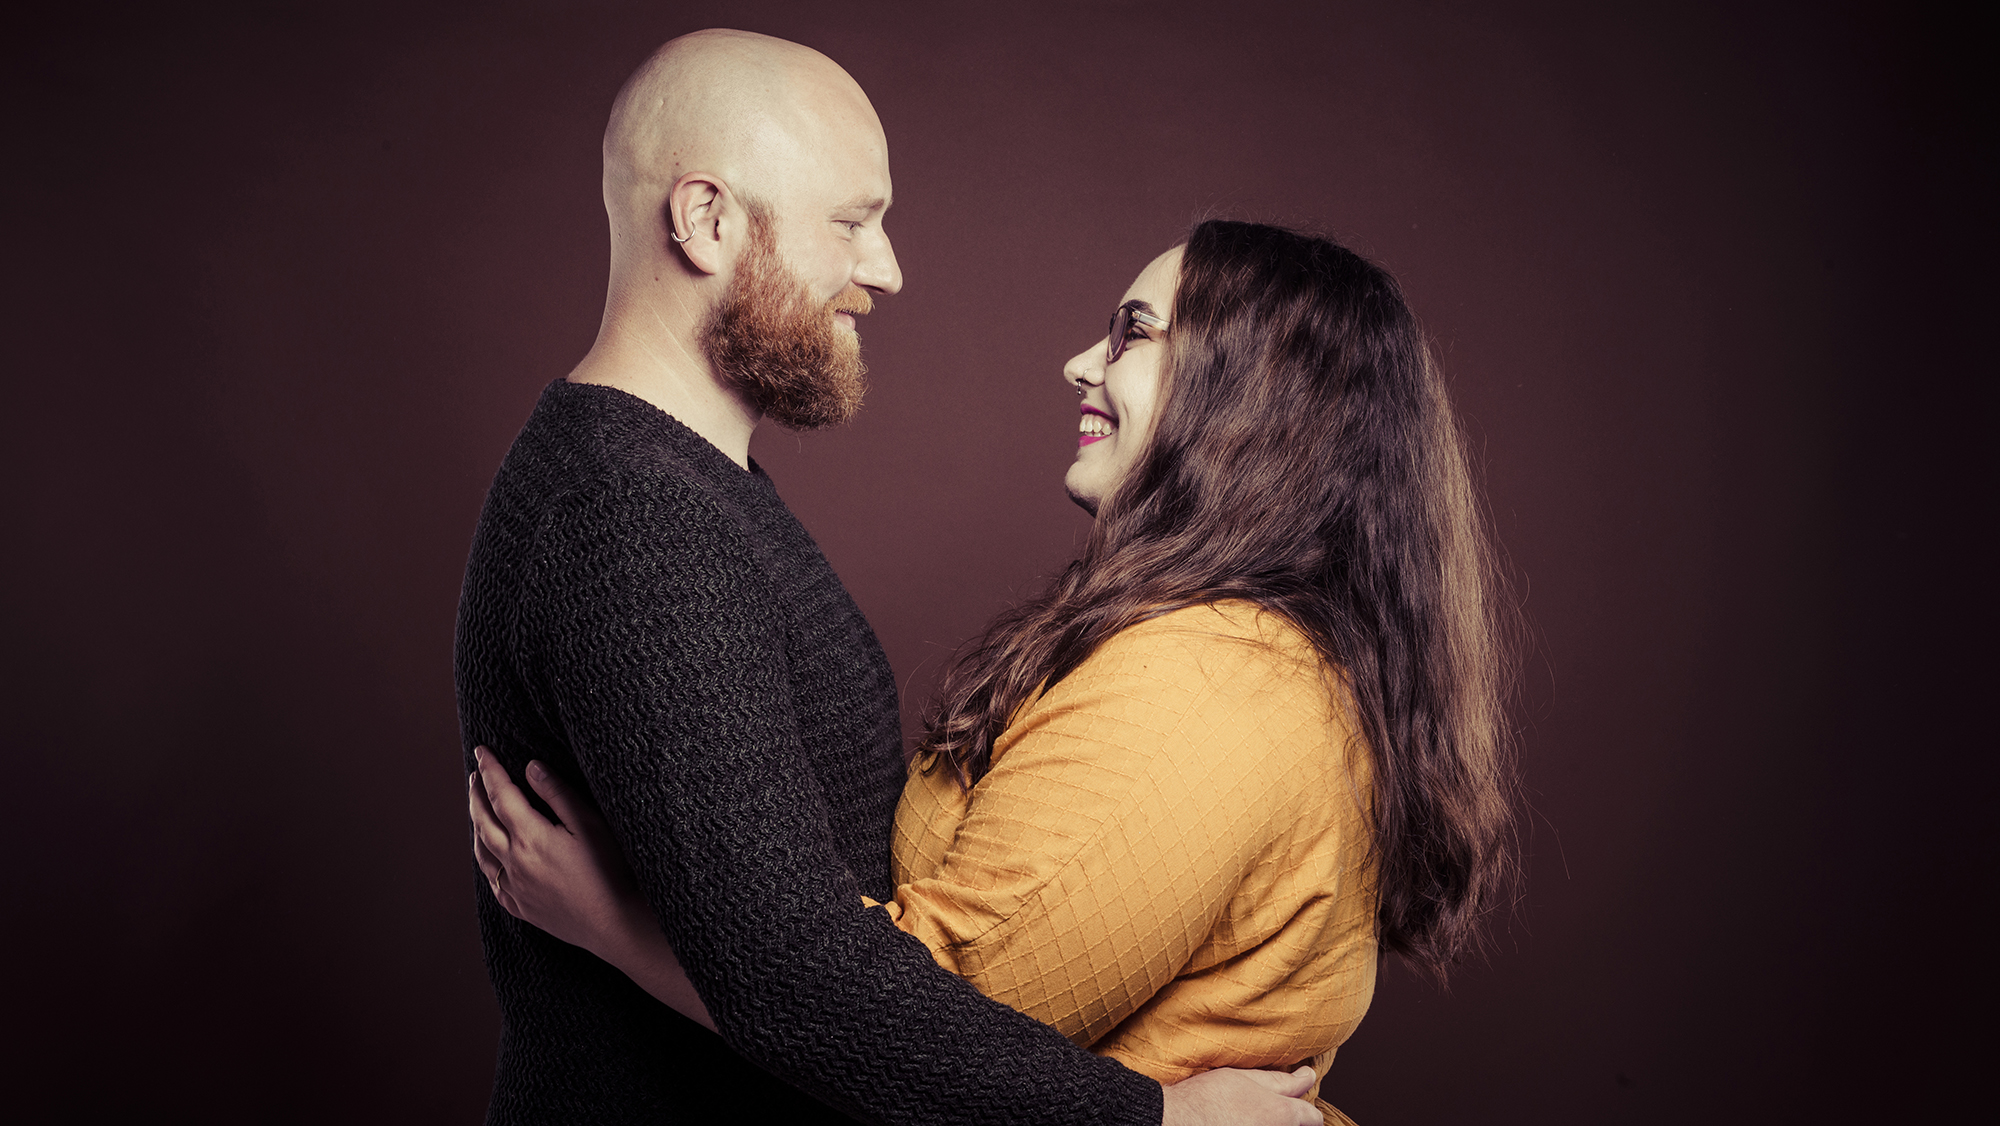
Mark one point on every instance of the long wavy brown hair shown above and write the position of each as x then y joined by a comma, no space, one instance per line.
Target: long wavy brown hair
1306,459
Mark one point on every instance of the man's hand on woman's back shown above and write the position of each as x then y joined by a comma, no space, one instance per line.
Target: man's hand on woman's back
1231,1096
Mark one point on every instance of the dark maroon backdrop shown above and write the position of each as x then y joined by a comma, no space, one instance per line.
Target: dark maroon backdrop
282,286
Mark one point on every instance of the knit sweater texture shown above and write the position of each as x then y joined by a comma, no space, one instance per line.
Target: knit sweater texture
651,622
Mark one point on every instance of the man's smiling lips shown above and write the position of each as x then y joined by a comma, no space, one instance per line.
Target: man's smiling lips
1095,426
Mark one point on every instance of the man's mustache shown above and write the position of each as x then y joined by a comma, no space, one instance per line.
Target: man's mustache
854,299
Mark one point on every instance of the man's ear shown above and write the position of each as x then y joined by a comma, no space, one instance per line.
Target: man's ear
697,210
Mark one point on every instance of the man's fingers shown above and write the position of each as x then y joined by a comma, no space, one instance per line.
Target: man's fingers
1306,1078
1292,1086
1309,1115
1211,1098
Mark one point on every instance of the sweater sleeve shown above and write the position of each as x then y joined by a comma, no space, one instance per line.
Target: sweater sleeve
1102,854
648,633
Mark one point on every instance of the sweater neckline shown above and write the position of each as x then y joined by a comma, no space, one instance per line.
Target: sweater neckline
685,440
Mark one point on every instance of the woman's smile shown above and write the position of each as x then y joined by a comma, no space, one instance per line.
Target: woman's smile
1120,397
1095,427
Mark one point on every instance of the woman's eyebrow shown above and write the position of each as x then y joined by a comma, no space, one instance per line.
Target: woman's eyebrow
1142,305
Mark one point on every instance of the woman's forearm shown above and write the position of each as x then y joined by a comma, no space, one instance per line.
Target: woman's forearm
572,881
643,954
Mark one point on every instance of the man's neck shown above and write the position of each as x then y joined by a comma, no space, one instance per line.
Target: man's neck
668,375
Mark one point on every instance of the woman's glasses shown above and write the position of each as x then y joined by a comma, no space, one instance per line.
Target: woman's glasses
1121,326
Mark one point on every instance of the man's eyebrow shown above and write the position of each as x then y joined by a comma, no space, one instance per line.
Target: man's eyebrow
864,203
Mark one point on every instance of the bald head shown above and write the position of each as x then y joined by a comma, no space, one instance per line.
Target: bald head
761,115
746,180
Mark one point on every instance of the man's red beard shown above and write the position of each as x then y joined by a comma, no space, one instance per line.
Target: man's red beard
777,345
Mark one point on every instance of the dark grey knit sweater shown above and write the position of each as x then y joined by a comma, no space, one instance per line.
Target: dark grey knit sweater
650,620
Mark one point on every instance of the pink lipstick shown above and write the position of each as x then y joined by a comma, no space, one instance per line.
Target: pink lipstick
1086,437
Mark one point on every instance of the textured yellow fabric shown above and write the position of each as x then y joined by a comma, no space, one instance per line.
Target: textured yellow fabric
1169,859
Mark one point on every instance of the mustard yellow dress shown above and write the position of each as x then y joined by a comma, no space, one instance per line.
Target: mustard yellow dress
1169,860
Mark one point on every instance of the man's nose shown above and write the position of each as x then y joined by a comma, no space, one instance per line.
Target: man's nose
877,269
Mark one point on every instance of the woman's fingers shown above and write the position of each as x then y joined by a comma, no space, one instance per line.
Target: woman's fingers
509,805
488,839
496,878
489,865
569,809
486,826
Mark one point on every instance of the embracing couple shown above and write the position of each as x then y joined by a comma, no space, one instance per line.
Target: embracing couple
1162,817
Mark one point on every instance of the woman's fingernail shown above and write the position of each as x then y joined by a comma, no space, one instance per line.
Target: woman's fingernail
537,772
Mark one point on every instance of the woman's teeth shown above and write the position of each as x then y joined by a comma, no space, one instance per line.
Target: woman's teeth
1095,426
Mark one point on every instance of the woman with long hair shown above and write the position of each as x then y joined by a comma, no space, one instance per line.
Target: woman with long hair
1176,804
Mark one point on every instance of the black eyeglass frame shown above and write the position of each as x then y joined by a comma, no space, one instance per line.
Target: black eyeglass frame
1121,323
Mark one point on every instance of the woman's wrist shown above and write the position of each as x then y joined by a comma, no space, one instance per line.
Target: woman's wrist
633,940
639,949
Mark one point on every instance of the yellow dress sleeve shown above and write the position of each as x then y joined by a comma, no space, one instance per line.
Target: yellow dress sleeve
1152,818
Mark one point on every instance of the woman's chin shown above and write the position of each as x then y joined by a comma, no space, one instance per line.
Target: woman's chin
1080,489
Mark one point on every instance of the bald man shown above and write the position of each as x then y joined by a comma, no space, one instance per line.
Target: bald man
643,614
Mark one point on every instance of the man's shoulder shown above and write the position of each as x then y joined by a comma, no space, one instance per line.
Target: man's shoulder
597,448
587,432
